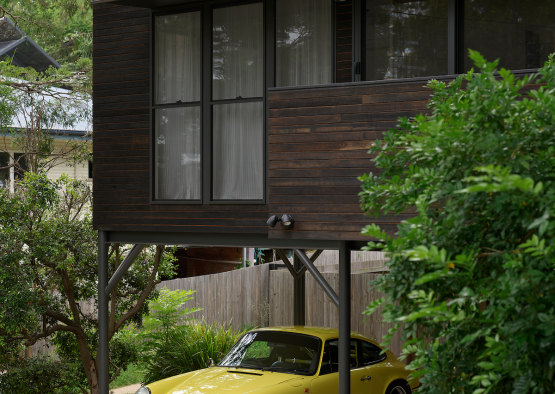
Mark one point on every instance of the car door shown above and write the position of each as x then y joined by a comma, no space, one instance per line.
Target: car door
327,381
374,366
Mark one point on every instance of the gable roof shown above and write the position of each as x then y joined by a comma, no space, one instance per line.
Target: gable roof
15,44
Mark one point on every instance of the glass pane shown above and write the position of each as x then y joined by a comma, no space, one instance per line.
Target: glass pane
4,173
177,150
405,39
21,167
520,33
238,150
177,58
304,37
238,52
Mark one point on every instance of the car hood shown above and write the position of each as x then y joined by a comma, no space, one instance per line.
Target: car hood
220,380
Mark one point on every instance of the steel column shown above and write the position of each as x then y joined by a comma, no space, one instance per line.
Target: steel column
244,257
344,318
103,347
299,286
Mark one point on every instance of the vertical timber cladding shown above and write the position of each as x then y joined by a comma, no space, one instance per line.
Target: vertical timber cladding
121,143
319,138
343,41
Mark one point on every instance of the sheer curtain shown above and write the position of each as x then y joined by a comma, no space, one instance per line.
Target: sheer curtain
177,58
177,149
304,39
238,52
238,136
238,127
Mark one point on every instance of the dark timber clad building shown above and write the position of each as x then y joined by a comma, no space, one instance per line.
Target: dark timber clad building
211,116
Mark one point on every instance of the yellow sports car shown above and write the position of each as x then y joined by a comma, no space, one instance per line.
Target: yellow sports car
292,360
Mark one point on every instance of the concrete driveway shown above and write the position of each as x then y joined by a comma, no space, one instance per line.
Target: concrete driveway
126,390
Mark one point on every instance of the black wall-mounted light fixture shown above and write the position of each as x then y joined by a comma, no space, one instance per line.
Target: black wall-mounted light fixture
286,221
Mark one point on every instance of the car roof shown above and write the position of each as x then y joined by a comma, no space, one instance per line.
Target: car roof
320,332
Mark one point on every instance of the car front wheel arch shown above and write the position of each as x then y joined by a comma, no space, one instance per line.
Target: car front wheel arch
398,387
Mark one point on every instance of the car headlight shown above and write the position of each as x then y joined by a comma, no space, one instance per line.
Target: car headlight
143,390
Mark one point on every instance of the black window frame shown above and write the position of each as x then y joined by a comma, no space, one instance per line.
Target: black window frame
362,364
206,103
456,51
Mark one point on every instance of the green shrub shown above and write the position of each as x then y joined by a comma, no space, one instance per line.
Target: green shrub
39,375
472,276
189,349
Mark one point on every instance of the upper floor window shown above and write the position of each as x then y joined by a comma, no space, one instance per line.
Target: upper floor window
211,71
406,39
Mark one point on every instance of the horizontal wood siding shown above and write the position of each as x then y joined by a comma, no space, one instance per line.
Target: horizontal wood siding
319,140
121,144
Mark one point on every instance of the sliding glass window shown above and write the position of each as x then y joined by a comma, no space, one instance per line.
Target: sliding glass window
177,126
238,103
405,39
519,33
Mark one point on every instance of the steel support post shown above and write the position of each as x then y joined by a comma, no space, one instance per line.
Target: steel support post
299,286
344,319
103,349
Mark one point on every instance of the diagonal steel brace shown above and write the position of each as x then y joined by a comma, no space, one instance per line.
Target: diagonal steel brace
296,274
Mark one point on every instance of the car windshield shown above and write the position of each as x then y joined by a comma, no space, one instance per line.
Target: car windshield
275,351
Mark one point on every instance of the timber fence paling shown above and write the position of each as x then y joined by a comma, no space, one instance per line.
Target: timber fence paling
240,296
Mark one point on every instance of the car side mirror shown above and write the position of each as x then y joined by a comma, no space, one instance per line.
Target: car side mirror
210,363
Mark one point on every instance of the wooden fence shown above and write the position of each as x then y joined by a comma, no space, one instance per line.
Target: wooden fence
261,297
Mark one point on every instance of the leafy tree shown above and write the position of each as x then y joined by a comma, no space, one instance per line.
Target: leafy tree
472,280
32,104
48,281
63,28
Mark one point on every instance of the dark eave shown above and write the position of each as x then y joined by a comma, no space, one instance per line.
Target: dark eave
144,3
25,48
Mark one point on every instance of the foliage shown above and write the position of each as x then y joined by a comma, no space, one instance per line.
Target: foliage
167,315
63,28
190,349
132,375
48,281
472,279
39,375
35,103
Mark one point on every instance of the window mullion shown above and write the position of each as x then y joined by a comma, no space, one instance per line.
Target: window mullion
206,96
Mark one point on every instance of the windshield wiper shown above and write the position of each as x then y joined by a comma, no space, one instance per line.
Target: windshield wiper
288,369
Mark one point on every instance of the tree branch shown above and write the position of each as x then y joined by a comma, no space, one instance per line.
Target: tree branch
32,339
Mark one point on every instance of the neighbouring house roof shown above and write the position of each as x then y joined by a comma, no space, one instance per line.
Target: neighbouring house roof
16,45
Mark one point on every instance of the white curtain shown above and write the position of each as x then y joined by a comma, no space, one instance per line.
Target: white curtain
238,52
177,58
177,148
304,39
238,167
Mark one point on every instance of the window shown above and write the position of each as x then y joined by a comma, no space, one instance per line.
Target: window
208,122
20,167
4,172
370,354
177,126
238,103
304,39
405,39
330,358
519,33
423,38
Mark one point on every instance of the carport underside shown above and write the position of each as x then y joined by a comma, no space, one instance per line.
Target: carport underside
301,263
